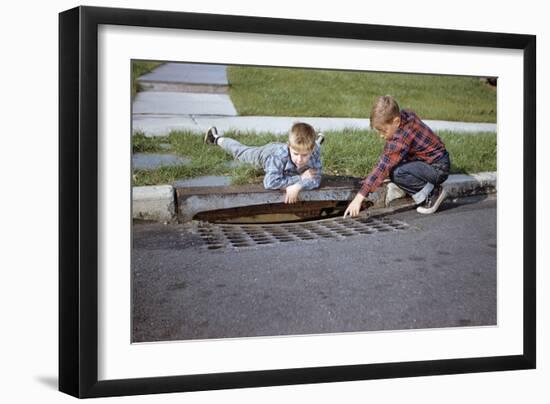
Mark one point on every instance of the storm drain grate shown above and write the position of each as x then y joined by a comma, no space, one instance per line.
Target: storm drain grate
219,236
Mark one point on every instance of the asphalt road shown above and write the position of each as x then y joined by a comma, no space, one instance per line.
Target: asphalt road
440,272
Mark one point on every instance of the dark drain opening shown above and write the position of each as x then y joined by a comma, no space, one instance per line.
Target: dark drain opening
302,211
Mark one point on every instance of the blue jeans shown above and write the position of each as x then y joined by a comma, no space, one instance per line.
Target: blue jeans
412,176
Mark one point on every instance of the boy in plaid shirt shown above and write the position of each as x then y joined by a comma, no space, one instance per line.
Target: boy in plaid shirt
291,166
414,158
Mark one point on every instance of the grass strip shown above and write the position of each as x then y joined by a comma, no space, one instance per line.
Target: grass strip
347,152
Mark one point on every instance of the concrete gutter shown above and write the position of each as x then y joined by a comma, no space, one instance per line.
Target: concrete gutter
194,200
165,203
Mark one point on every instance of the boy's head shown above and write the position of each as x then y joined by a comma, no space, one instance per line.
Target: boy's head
385,116
301,142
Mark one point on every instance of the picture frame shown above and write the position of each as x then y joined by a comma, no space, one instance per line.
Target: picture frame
80,160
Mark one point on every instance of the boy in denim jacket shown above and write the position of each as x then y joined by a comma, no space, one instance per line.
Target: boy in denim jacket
291,166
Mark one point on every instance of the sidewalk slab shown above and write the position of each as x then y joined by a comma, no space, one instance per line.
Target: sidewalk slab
182,87
461,126
188,73
278,125
159,125
281,125
151,161
152,125
173,103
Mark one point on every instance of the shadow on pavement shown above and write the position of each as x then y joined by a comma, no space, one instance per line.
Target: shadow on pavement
453,203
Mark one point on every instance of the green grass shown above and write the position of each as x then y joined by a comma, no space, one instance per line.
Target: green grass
356,152
144,144
205,159
139,68
318,93
347,152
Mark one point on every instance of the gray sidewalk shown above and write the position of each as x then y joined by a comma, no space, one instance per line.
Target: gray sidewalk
189,73
157,125
193,97
180,105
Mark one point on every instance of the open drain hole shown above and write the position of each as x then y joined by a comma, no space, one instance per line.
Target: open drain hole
301,211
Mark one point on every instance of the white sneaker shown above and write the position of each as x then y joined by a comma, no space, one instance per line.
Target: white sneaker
433,201
320,139
393,192
211,136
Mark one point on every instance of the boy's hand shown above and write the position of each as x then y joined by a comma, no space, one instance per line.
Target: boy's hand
292,193
355,206
309,173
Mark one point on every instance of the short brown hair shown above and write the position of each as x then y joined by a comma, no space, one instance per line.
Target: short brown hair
302,137
384,110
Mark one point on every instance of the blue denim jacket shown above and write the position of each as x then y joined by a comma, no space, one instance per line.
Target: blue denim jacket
281,172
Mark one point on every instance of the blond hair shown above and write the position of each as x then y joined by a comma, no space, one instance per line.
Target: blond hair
384,110
302,137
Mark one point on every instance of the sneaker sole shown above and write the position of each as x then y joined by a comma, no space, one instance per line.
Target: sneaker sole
320,139
210,130
433,209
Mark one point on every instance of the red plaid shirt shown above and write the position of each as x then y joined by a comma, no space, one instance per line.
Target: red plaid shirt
413,140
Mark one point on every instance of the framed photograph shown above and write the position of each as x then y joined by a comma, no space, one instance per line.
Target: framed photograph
185,266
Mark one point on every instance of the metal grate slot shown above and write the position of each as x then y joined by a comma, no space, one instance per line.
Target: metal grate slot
237,236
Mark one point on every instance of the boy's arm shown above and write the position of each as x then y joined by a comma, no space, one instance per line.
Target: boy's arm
394,152
315,162
274,174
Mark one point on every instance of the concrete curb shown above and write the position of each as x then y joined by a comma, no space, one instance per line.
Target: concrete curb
164,203
156,203
466,185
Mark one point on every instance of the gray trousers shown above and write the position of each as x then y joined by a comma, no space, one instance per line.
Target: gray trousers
255,155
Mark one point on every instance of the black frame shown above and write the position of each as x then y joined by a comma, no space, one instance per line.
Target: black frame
78,206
